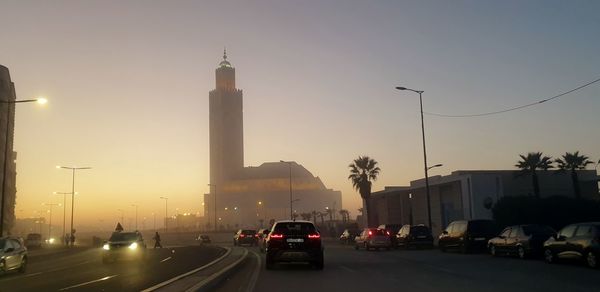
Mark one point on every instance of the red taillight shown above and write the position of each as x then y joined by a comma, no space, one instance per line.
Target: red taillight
314,236
388,233
370,232
241,235
278,236
256,235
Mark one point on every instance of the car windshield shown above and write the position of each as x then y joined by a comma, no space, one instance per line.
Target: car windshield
537,229
294,228
419,230
127,236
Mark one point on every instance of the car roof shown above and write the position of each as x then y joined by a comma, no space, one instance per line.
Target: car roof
294,221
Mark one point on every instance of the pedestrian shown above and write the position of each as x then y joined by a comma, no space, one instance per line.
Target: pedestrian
157,240
72,239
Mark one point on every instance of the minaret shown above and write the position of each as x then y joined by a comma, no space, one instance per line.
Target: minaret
226,126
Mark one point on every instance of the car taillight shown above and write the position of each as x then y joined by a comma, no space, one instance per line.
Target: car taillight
241,235
256,235
387,232
370,232
276,236
314,236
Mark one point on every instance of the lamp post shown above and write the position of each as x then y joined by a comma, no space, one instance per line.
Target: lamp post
215,207
50,224
73,169
420,92
136,215
64,230
9,104
166,212
410,212
291,201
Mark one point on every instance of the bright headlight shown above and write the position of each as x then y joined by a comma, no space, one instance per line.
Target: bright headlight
106,246
133,245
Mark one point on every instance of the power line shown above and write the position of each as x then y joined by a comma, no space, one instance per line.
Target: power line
513,108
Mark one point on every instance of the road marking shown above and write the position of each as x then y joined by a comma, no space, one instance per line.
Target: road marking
255,273
165,260
348,269
218,274
34,274
87,283
167,282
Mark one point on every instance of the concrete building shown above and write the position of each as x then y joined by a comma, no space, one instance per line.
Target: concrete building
469,194
7,121
252,196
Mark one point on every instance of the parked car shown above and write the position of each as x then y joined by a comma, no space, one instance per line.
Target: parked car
579,241
521,240
262,239
348,236
467,235
414,236
244,236
294,241
203,239
393,230
13,255
373,238
124,245
33,240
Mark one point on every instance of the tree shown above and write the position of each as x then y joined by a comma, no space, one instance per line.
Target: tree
363,171
314,216
573,162
530,164
329,213
345,215
305,216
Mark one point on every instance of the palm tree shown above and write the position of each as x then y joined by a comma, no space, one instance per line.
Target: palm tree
345,215
314,216
305,216
573,162
530,164
363,171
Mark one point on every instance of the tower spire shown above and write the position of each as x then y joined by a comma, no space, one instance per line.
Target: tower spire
224,53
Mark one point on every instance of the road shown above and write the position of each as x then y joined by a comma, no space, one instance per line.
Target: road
82,270
413,270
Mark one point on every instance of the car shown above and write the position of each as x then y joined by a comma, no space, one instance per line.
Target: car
373,238
124,245
294,241
467,235
414,236
347,237
33,240
13,255
203,239
262,238
245,236
392,229
579,241
521,240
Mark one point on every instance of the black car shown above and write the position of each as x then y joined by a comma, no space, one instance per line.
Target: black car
521,240
579,241
392,229
467,235
414,236
294,241
13,255
348,236
203,239
124,245
245,236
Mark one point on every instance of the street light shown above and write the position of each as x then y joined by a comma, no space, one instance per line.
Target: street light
215,207
72,195
437,165
166,212
420,92
50,224
291,201
136,215
410,209
8,103
64,230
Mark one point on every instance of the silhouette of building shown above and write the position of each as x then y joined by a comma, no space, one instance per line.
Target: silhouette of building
252,196
7,121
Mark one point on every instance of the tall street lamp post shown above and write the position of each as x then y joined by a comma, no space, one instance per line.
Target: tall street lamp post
9,104
136,215
166,212
64,230
291,201
73,169
215,207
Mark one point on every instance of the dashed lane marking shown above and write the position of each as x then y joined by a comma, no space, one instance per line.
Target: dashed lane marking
87,283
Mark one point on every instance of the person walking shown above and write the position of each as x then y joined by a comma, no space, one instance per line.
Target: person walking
157,240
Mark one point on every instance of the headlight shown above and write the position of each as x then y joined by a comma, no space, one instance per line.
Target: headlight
106,246
133,245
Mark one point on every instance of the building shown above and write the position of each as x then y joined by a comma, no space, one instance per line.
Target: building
252,196
7,121
469,194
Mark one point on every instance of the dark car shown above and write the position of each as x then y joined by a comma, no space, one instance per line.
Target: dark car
33,240
13,255
521,240
203,239
467,235
414,236
579,241
373,238
392,229
348,236
245,236
294,241
124,245
262,238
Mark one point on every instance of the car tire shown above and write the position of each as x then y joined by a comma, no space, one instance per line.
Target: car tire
464,248
2,267
493,251
521,253
442,247
320,263
591,259
23,267
549,256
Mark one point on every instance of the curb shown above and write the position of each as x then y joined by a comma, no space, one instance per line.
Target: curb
216,278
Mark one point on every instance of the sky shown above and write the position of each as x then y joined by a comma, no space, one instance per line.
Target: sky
128,82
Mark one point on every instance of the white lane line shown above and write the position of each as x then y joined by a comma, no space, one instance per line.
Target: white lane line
255,273
348,269
165,260
167,282
87,283
34,274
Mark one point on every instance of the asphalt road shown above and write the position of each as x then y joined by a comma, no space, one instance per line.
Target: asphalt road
347,269
83,270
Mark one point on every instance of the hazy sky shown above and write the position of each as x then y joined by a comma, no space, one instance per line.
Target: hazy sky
128,83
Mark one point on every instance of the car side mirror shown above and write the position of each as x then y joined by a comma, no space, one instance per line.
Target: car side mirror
10,249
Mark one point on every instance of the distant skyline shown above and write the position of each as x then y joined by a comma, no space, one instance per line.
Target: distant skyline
128,82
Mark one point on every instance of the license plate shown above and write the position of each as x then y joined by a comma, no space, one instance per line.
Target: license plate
295,240
479,238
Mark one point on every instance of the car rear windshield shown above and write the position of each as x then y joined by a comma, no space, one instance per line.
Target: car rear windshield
34,236
537,229
127,236
482,226
378,231
248,231
419,230
294,228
